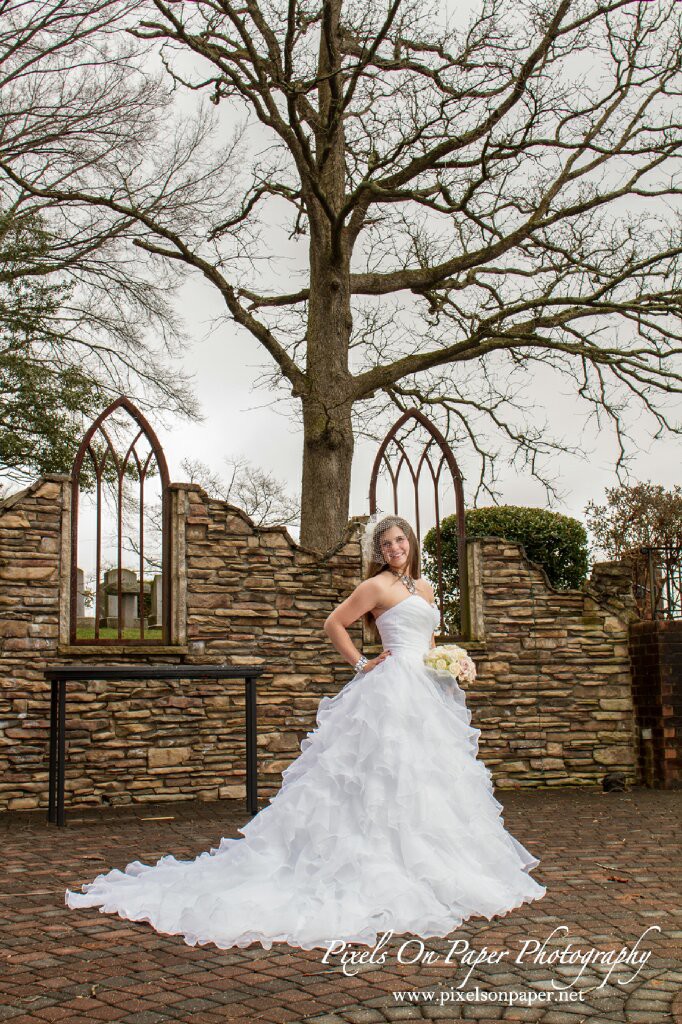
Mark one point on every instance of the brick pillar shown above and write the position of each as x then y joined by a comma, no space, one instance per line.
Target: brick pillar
656,658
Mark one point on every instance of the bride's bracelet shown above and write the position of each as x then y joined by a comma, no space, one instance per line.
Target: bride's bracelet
360,663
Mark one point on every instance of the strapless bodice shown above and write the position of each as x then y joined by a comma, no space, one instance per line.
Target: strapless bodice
406,627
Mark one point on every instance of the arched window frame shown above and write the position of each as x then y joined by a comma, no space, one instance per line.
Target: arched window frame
156,450
448,459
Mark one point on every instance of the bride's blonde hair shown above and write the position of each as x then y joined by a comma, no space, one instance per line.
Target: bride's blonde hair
374,562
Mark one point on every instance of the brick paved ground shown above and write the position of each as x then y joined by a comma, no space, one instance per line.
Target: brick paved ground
611,864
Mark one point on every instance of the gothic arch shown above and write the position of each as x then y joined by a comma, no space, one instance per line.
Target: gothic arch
109,462
435,439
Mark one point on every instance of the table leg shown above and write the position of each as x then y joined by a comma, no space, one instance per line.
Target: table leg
52,783
251,761
61,751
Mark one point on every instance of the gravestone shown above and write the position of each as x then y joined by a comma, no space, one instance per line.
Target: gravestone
156,610
130,592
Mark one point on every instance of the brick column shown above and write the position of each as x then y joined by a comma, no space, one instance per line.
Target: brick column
656,658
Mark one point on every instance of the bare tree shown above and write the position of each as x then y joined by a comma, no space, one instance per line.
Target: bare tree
73,307
468,205
251,488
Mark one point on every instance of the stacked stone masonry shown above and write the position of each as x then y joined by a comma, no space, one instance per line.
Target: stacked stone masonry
553,696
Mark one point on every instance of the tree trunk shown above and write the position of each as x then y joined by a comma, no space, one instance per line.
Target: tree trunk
328,400
327,461
327,404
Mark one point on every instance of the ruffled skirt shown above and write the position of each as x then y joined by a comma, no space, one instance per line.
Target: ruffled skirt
385,821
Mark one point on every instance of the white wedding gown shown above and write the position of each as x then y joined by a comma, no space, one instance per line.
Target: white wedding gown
385,821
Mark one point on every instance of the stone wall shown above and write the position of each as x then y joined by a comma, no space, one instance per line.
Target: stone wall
552,698
30,557
553,694
240,595
254,595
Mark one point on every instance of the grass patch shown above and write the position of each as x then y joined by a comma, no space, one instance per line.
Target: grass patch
109,633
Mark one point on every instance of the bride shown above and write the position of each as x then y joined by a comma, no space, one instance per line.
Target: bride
385,821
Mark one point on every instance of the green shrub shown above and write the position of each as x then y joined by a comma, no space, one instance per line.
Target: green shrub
559,543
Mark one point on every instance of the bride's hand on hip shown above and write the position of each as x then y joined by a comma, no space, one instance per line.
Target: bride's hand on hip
376,661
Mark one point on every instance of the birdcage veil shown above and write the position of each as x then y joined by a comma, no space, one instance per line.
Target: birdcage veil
375,527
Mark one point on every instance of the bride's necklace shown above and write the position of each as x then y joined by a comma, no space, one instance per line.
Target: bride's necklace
405,578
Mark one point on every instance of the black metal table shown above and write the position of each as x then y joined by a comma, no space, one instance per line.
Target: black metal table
59,676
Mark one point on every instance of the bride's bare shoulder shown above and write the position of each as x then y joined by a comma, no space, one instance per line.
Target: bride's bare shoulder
373,594
377,595
372,589
364,598
381,584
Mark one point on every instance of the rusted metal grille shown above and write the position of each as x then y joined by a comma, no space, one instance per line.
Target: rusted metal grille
119,455
658,582
429,458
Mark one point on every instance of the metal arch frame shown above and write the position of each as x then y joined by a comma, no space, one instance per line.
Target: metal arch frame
446,453
663,581
122,403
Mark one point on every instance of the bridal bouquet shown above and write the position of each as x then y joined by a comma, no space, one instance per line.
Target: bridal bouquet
452,659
